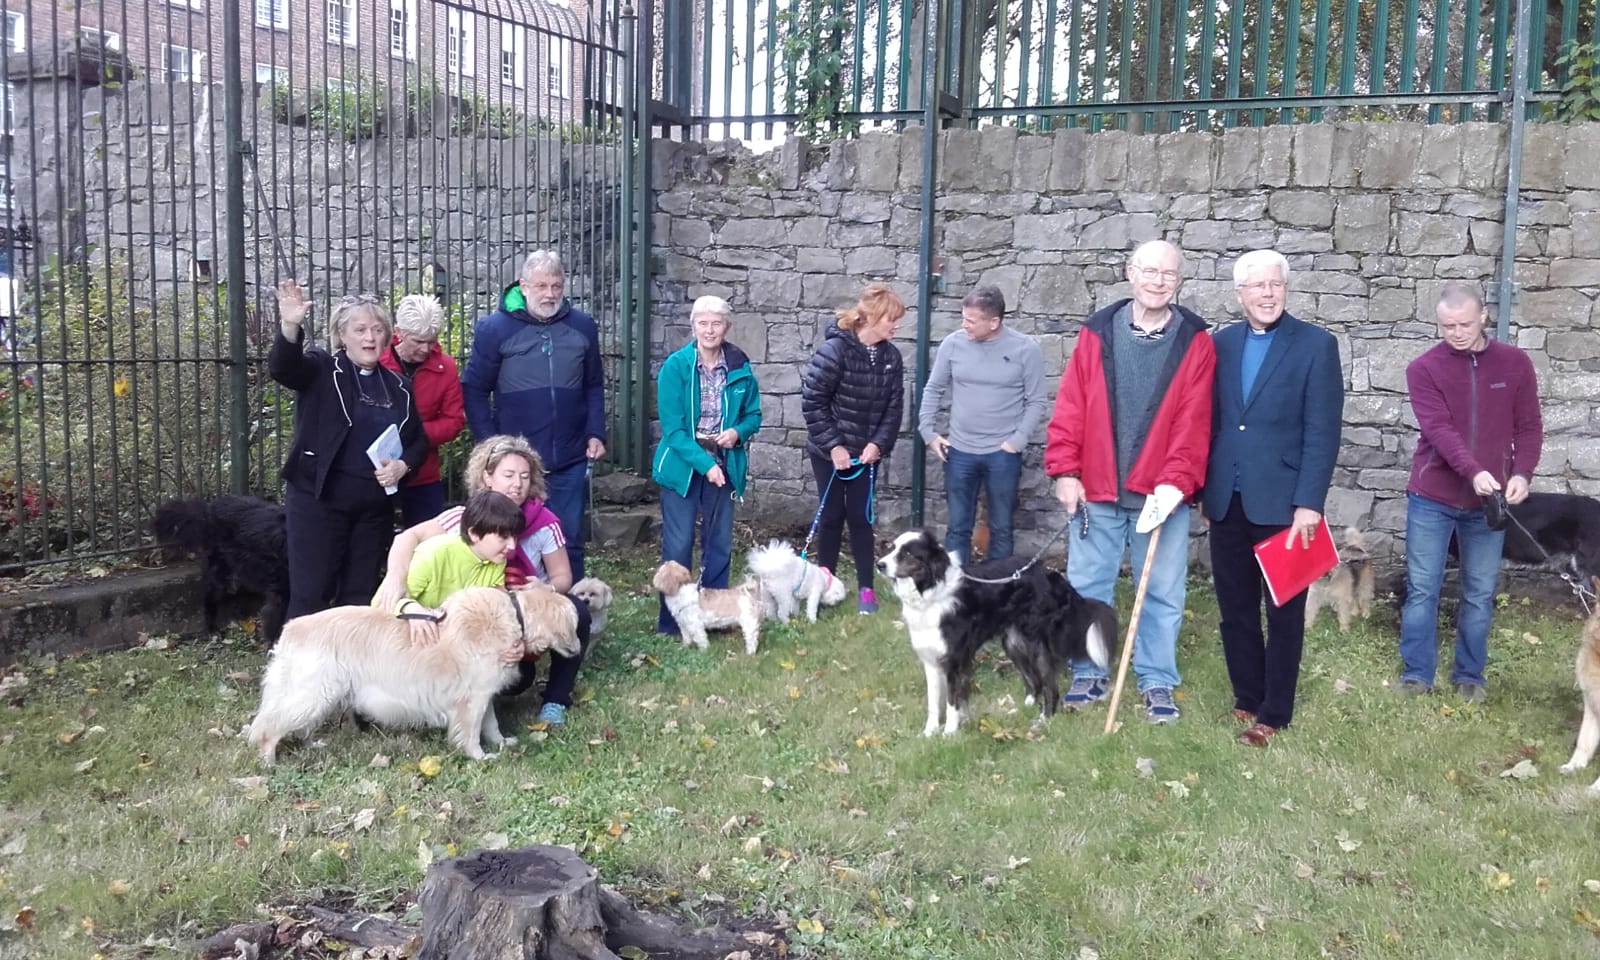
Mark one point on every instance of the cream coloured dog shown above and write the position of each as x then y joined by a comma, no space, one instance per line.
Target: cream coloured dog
787,580
698,609
362,660
597,594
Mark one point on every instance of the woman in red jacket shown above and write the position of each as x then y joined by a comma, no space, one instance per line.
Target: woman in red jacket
436,382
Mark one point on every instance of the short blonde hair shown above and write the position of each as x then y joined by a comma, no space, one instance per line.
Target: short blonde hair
419,315
348,307
485,459
876,302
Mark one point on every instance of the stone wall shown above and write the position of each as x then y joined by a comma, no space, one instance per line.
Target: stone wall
1374,218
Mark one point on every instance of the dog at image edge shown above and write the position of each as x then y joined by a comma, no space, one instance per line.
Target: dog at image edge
361,660
1044,623
244,562
1588,671
699,609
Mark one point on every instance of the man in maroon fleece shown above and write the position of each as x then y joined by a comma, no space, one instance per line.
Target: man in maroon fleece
1477,404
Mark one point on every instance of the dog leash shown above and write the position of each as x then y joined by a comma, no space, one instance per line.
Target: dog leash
1579,588
1080,516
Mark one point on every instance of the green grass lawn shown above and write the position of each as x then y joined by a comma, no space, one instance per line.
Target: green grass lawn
795,787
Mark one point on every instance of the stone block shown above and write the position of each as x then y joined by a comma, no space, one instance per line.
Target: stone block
791,162
825,291
1483,156
859,208
1317,281
1574,273
1046,231
1439,159
774,288
753,233
1056,291
817,260
1107,164
1301,208
977,233
959,164
1424,234
1239,167
842,234
1389,161
1303,241
745,257
1185,161
808,232
1562,309
1313,155
1008,280
1207,235
1361,224
877,166
1030,166
1119,232
1575,386
912,169
1144,165
1239,208
1068,152
1348,508
870,262
1277,155
1544,156
1563,345
1465,267
1349,140
997,151
1189,207
1586,230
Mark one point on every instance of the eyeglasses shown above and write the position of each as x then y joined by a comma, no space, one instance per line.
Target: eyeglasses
1154,273
1262,286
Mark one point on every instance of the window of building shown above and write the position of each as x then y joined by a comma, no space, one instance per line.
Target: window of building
272,14
185,65
513,55
16,32
271,75
342,22
108,39
460,42
559,63
191,4
403,29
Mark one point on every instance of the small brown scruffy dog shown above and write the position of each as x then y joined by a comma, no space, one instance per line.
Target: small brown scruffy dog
1588,670
698,609
362,660
1350,586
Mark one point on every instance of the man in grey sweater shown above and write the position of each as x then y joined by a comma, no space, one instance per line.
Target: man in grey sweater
997,375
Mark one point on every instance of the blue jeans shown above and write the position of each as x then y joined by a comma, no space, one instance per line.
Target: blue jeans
1429,525
997,473
1092,567
566,493
713,507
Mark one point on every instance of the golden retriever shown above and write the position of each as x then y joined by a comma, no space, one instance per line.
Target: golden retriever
361,659
1588,670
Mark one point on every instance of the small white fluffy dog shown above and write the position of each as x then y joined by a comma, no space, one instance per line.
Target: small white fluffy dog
361,659
786,580
699,609
597,594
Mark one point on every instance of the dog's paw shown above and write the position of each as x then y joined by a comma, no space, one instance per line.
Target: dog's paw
930,730
1594,789
485,757
1571,767
507,742
1028,700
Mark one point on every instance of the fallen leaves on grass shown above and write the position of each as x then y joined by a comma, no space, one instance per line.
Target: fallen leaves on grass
1501,881
1345,843
84,766
70,734
808,925
1523,770
118,888
430,766
1013,863
834,765
1303,870
253,788
363,819
1145,767
1177,789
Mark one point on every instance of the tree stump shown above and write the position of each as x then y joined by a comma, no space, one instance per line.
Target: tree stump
532,903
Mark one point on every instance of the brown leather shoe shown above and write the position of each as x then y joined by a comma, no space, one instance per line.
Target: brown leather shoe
1257,735
1243,716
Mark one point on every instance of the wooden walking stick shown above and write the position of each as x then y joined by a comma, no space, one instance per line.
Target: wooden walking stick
1133,625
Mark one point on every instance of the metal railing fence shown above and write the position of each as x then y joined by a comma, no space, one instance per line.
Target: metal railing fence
757,68
169,162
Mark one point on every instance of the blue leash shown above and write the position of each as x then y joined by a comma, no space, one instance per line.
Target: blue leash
822,501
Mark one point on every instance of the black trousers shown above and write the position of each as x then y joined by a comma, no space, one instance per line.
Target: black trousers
337,545
847,502
563,670
1264,669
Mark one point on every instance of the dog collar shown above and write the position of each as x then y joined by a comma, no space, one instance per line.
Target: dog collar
401,614
522,625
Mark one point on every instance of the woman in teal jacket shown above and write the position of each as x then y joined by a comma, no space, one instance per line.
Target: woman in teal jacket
710,406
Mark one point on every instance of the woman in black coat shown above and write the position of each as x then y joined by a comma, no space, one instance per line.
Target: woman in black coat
852,397
337,506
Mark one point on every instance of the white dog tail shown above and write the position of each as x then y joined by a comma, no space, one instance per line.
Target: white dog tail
774,562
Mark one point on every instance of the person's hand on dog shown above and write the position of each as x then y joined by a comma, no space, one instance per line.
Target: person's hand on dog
424,633
715,477
1484,483
390,592
1304,527
1069,490
728,439
293,306
391,472
1516,489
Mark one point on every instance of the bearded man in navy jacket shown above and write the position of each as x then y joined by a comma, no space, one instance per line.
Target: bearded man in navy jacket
1279,397
538,358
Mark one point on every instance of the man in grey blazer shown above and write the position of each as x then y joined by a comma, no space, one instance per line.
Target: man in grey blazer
1279,401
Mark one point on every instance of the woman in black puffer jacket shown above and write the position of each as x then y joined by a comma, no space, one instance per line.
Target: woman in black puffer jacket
852,398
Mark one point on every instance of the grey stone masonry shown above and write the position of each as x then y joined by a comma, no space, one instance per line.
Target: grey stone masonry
1374,218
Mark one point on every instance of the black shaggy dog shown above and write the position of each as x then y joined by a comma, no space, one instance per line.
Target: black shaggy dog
951,612
1565,525
239,542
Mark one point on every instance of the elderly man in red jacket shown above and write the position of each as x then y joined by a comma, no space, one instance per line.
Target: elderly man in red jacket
436,382
1128,443
1477,406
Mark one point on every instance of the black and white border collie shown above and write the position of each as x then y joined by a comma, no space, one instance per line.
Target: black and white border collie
1043,621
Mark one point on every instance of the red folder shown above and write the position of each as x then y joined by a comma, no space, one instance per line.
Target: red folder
1288,570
